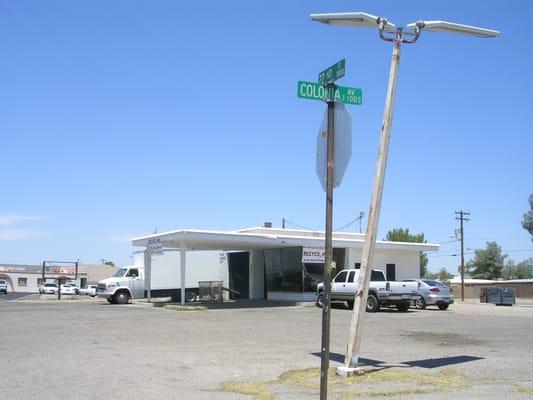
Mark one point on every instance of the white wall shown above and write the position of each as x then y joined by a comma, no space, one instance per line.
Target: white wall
407,261
200,266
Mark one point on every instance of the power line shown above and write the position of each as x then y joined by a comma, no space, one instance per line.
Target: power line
359,218
295,225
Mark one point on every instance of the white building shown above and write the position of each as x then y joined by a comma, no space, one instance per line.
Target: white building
267,262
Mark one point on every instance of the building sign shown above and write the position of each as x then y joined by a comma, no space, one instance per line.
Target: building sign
53,269
155,247
12,269
314,255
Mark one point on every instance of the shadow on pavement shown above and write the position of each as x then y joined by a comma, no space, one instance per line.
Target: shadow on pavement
337,357
236,304
427,363
441,362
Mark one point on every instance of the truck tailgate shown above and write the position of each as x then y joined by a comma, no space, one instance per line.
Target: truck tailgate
402,288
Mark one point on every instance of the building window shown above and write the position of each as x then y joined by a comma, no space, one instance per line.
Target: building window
391,272
40,281
284,269
357,265
23,281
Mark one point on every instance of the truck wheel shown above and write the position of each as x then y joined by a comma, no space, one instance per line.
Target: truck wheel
110,300
372,303
402,307
443,306
190,296
320,300
122,298
420,303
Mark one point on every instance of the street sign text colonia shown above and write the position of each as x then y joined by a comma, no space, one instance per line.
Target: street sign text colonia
339,94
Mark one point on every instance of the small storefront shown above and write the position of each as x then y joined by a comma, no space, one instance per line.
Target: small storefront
268,262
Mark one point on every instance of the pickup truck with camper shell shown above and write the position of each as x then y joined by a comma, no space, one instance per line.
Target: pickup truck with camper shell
381,293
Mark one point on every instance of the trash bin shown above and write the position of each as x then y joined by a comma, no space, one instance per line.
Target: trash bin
498,295
508,297
493,295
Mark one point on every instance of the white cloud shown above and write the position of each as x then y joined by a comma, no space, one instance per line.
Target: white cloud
13,219
23,234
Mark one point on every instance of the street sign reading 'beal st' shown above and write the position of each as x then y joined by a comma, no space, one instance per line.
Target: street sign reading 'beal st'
336,71
338,94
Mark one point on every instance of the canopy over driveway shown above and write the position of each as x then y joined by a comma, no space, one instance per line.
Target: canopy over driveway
257,239
266,238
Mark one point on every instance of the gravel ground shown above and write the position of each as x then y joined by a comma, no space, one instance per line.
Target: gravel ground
90,349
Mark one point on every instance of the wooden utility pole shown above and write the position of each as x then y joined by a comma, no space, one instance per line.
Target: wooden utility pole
351,359
462,218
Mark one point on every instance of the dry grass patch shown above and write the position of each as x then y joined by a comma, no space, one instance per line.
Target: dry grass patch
259,390
387,382
174,307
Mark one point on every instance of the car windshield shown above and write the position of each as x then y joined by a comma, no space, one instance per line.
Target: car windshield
120,272
433,283
49,285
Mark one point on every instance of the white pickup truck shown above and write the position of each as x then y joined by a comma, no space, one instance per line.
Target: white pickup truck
381,293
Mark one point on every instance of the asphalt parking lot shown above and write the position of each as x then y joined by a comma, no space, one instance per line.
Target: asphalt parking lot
92,350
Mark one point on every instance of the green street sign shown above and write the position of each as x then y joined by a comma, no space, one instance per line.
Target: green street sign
336,71
339,94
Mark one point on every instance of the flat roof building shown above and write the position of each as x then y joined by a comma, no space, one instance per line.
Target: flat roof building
272,263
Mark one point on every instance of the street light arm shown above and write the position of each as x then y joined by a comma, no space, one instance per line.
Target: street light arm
353,19
452,27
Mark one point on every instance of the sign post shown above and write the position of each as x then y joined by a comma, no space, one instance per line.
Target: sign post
327,91
326,307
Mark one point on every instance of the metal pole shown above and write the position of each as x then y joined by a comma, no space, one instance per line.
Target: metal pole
356,326
182,271
148,274
326,306
462,260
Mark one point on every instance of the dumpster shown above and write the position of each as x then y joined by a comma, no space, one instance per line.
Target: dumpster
499,296
493,295
508,296
210,291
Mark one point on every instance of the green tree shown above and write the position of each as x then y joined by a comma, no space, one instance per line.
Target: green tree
110,263
403,235
522,270
527,220
442,275
488,263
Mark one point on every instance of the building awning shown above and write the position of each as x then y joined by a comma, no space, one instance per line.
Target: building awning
268,238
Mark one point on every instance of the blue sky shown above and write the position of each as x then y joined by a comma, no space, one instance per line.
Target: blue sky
120,117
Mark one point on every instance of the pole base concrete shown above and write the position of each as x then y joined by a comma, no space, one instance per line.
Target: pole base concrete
349,371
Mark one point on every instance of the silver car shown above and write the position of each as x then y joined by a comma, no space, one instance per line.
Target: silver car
432,292
3,286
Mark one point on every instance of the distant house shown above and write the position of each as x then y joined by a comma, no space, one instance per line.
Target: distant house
28,278
523,288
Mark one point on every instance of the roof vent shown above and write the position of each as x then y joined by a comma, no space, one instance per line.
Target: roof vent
267,224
